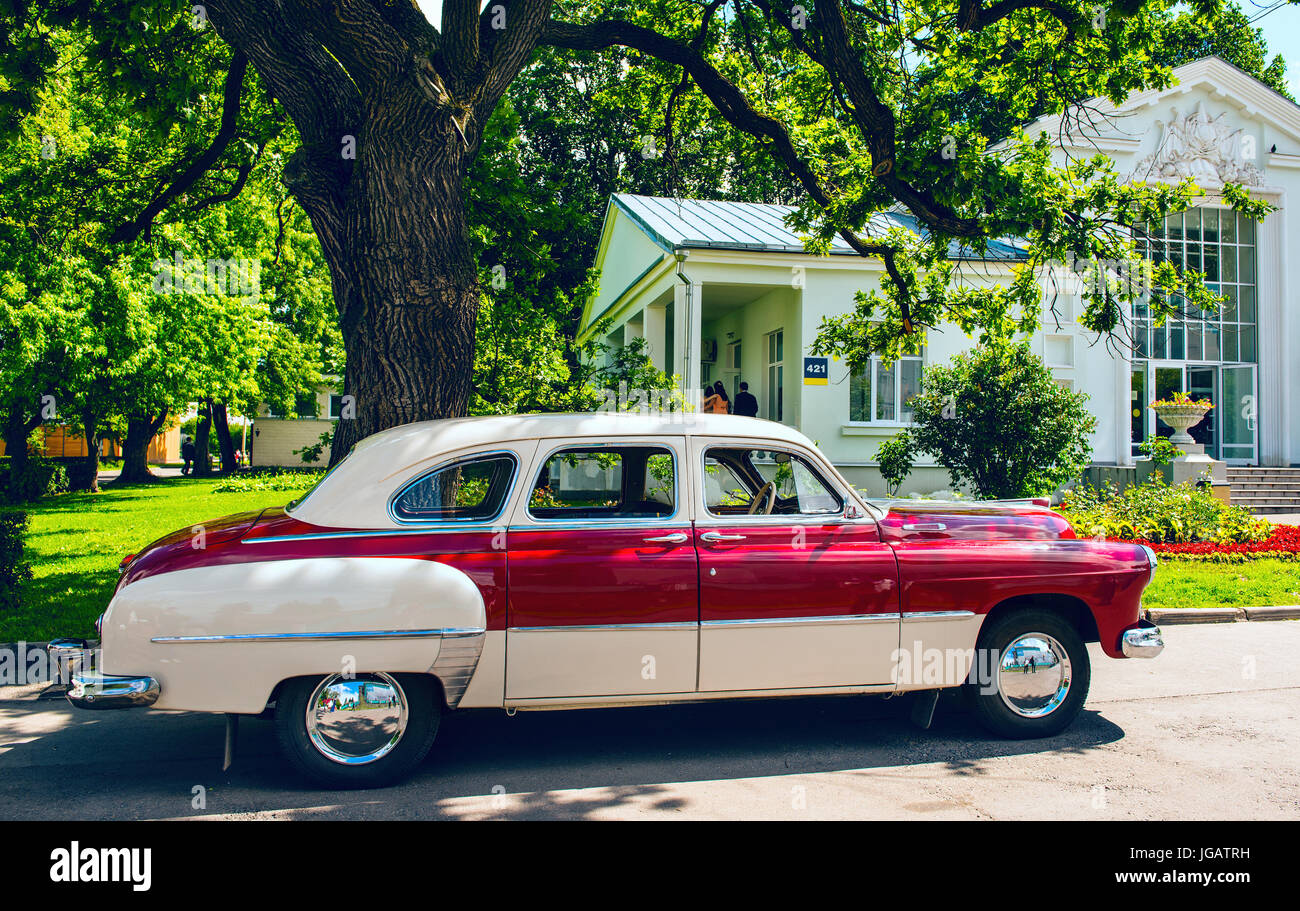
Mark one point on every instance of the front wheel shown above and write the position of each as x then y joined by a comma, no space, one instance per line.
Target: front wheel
1031,674
357,731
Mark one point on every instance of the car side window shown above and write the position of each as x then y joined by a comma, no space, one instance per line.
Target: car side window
735,478
606,482
472,490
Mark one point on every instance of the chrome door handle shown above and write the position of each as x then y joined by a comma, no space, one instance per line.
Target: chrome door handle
713,536
675,538
924,526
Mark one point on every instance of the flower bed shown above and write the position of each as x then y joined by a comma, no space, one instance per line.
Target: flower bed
1283,543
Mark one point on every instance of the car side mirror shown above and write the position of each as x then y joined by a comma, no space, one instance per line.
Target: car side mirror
852,511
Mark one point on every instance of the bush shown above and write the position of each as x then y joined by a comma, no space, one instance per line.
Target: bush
41,477
1159,450
14,571
270,479
895,457
1155,512
999,422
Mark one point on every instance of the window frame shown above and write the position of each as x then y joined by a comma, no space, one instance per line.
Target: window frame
563,522
871,369
451,463
810,461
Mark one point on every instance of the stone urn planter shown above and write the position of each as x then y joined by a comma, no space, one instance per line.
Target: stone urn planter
1181,416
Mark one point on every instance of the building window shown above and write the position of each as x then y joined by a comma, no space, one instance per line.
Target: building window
336,407
776,375
1221,244
879,393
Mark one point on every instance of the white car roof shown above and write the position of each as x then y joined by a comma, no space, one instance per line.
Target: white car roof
357,491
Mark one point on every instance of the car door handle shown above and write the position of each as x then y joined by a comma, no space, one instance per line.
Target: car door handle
925,526
675,538
714,536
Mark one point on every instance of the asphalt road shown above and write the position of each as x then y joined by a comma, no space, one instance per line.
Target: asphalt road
1210,730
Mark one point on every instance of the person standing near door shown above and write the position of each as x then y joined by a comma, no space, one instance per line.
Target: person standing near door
746,404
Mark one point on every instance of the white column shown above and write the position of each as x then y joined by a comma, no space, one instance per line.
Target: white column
653,325
1270,259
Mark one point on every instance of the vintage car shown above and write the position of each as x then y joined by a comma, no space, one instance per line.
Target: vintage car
562,561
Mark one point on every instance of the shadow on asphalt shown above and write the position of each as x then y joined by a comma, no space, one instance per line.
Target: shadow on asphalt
631,752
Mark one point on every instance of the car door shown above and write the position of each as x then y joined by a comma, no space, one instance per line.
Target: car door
604,586
794,595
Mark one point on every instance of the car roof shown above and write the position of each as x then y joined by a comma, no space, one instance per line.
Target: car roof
459,433
357,490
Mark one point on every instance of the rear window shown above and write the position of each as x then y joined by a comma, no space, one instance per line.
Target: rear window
472,490
606,482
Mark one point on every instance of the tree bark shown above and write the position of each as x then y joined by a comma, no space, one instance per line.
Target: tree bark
390,114
90,467
202,432
140,430
17,436
225,443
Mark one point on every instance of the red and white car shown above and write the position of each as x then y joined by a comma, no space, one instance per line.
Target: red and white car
554,561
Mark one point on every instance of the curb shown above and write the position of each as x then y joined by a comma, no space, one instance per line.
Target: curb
1172,616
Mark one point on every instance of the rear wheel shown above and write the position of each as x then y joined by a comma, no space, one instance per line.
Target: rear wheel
1037,671
358,731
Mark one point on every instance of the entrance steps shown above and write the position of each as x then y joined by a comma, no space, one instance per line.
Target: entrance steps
1265,491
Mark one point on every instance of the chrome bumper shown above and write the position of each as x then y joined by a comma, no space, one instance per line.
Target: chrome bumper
1143,642
89,689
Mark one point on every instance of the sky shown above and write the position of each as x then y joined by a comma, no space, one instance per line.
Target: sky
1279,20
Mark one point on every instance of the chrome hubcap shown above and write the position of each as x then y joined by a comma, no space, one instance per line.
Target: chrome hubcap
355,720
1034,675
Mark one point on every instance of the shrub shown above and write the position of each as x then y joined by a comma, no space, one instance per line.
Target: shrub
1158,449
13,569
1157,512
270,479
40,478
895,457
999,422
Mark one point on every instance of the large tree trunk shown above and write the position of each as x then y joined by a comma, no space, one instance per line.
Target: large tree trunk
90,466
225,443
390,113
202,432
17,434
140,430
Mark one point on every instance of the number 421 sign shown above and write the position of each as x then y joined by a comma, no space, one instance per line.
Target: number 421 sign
815,371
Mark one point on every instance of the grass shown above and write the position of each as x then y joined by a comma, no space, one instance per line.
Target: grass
1257,583
75,542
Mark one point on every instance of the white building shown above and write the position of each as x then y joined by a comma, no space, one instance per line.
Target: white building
723,290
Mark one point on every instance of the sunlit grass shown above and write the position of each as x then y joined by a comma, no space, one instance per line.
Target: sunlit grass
1257,583
75,542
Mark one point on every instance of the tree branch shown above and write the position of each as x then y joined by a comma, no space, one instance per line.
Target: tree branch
197,168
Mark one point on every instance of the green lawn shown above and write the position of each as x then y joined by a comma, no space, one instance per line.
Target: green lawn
1254,584
75,542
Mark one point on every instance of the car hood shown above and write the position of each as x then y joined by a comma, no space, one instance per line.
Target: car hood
940,520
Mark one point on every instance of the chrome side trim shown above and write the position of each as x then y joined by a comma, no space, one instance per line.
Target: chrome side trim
391,532
923,616
687,625
828,621
457,661
351,634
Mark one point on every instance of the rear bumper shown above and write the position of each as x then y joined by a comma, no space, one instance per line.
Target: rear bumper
1142,642
89,689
